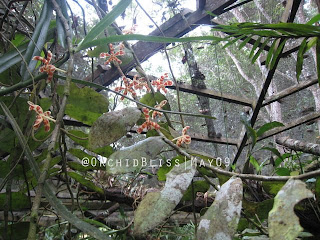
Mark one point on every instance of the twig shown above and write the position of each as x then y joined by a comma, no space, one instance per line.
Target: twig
181,151
168,59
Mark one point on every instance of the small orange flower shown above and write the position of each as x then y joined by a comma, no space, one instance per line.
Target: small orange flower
140,83
159,106
128,87
184,138
161,83
112,57
41,117
148,124
47,67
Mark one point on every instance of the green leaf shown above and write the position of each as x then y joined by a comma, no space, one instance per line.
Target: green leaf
105,22
39,38
270,53
312,42
255,163
272,187
282,221
233,41
198,186
152,100
313,20
283,171
19,201
85,182
167,165
88,162
255,45
84,104
301,51
274,151
79,153
244,42
82,142
268,126
260,50
19,109
8,59
279,160
145,38
277,53
60,29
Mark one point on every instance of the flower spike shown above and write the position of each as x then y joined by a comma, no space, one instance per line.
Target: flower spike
161,83
140,83
148,124
184,138
41,117
159,106
128,87
47,67
112,57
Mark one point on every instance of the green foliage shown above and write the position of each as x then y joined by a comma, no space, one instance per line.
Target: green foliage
167,166
198,186
84,104
105,22
19,201
85,182
278,33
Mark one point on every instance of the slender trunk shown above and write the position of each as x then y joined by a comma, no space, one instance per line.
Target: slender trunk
197,80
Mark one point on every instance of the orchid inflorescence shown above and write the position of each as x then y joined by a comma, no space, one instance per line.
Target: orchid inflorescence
184,138
112,56
140,83
128,87
148,124
161,83
41,117
47,67
159,106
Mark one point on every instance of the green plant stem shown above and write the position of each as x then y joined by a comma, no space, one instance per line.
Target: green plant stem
55,134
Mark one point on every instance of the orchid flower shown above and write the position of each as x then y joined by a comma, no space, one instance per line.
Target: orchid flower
159,106
161,83
128,87
148,124
113,57
184,138
41,117
47,67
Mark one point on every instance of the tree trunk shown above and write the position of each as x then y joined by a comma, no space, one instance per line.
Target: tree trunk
197,80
